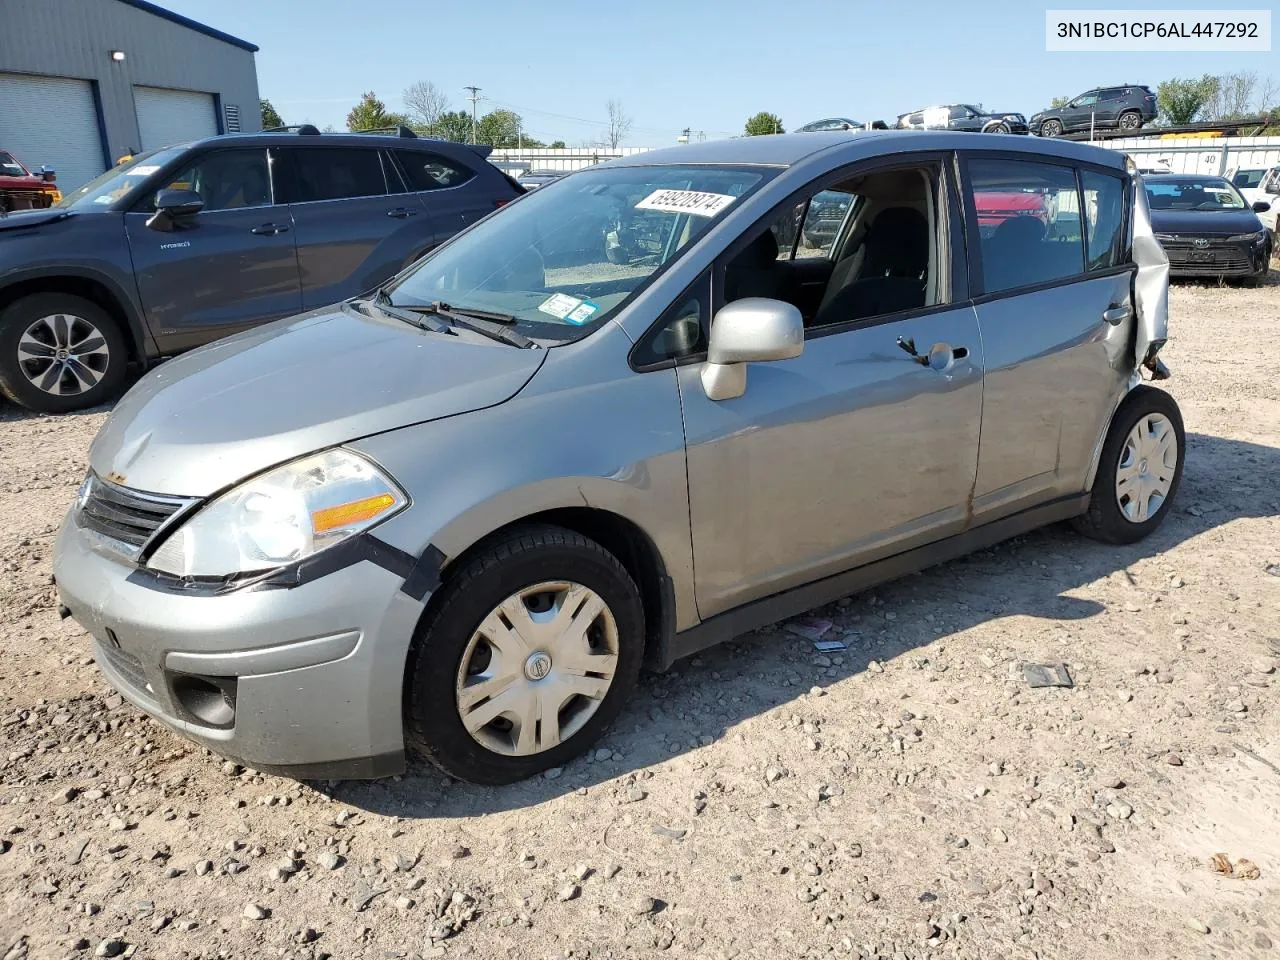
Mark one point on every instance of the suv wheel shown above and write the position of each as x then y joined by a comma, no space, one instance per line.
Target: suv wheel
1051,128
1130,120
528,655
59,352
1000,127
1139,471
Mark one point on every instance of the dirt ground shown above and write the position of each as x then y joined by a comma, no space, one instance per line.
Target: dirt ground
908,797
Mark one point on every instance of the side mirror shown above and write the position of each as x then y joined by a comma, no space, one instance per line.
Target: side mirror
1261,206
752,330
173,207
48,174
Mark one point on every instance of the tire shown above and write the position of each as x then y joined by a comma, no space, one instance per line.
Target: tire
1000,127
1130,120
1051,128
450,641
60,324
1105,519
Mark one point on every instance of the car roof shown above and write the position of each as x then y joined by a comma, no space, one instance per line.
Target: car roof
289,138
788,149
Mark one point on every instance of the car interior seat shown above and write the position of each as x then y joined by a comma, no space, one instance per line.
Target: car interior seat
754,272
889,277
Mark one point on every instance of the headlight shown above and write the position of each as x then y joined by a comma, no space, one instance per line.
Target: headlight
1258,237
282,516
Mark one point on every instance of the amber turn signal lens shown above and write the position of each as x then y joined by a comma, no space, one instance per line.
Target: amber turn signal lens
345,514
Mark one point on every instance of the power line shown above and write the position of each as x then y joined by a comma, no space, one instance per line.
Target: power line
474,98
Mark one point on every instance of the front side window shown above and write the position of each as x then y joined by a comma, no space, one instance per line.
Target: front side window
567,256
1194,195
1087,100
1029,223
430,171
1247,179
227,180
337,173
1104,197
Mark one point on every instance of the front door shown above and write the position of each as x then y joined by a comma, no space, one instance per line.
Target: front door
854,450
1056,316
232,267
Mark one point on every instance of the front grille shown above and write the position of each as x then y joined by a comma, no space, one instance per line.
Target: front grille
130,517
128,667
1227,257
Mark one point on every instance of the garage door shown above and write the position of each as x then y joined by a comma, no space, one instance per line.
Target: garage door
166,117
52,121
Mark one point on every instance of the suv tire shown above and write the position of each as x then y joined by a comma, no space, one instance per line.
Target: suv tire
1130,120
60,352
1051,128
1146,425
591,593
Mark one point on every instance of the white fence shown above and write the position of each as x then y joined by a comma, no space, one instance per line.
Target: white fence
1210,156
1205,156
561,161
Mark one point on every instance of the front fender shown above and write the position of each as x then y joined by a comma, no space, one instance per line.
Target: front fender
615,444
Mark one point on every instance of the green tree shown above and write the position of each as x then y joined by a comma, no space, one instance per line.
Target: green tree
453,125
500,128
371,113
1057,102
556,145
763,123
1181,101
269,116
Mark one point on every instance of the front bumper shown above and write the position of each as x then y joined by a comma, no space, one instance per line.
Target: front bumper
315,671
1237,258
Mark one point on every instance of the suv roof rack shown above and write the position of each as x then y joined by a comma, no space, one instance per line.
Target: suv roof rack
311,130
400,130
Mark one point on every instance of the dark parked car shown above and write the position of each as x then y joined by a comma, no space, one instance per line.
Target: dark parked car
1207,228
1126,107
963,116
181,246
538,178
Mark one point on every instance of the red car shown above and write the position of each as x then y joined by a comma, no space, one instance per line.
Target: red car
20,189
994,208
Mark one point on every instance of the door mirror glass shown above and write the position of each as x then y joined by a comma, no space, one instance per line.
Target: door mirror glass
48,174
752,330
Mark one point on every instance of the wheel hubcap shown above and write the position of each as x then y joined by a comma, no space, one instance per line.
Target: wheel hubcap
1147,467
63,354
537,668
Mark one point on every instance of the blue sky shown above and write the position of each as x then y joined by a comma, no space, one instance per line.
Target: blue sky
704,64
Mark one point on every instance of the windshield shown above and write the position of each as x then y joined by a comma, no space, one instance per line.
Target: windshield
1248,179
9,167
1193,193
567,256
107,188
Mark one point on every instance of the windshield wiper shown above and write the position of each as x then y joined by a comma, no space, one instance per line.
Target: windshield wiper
382,300
493,325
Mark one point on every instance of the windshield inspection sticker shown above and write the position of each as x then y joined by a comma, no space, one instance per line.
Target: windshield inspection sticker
686,201
559,305
144,171
581,313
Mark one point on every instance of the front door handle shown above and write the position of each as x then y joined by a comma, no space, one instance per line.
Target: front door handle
1115,315
939,357
401,212
270,229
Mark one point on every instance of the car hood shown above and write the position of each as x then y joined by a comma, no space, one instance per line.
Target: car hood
32,218
210,418
1225,222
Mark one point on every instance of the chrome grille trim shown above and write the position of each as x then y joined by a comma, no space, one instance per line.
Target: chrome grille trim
131,518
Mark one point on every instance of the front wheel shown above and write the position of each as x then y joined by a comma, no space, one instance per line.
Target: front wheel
526,656
1139,470
59,352
1051,128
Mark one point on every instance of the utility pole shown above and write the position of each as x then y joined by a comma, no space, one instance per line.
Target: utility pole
474,98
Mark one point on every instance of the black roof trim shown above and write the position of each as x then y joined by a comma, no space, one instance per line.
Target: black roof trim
191,24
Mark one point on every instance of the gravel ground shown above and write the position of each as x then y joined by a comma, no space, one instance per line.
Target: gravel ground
908,797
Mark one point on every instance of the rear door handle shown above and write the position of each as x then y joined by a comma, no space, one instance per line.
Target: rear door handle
401,212
1115,315
270,229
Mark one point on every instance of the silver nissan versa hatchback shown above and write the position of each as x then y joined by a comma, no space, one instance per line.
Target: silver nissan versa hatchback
637,412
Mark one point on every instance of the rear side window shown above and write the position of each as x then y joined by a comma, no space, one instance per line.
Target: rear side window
1028,222
1103,218
338,173
430,171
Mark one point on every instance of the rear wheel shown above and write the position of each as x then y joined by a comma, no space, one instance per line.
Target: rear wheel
1051,128
59,352
1130,120
1139,471
529,654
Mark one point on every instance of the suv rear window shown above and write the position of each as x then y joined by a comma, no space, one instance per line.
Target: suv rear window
430,171
338,173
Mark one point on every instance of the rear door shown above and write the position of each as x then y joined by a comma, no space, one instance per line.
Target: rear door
1054,304
355,223
451,193
232,267
1109,104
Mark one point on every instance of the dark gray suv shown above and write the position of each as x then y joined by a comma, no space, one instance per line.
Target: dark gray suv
188,244
1126,107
